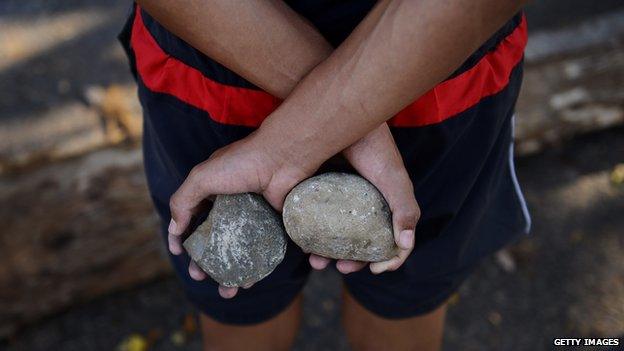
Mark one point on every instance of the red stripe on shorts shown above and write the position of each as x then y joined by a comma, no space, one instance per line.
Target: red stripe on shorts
162,73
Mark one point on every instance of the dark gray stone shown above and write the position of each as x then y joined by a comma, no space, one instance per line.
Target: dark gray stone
340,216
241,242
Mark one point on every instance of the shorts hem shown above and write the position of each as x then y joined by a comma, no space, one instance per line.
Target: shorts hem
235,316
414,310
419,310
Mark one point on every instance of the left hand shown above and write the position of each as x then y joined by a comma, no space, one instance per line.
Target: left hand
243,166
377,159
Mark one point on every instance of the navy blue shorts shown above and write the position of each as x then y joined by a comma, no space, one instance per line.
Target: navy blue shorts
456,142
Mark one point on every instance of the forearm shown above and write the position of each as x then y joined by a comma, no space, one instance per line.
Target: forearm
390,59
265,42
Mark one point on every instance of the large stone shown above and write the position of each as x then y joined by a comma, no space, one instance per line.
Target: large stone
241,242
340,216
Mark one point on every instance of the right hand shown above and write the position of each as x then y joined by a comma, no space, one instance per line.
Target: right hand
377,159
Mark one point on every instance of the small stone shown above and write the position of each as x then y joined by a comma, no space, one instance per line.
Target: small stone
178,338
134,342
340,216
495,318
505,260
617,175
453,300
241,241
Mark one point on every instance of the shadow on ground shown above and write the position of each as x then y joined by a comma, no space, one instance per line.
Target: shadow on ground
568,280
35,80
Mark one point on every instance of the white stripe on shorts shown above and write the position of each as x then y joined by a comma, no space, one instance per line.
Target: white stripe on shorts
514,179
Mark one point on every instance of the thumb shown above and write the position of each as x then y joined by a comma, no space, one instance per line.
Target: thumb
279,186
405,215
404,220
405,211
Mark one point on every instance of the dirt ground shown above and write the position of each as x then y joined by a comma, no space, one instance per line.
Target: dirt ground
564,280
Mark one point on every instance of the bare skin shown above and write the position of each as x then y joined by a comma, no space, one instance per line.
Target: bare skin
369,332
276,334
332,104
277,65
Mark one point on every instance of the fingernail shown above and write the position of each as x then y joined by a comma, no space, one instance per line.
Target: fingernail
172,227
406,239
341,267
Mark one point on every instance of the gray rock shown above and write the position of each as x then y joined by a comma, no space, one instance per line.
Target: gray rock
341,216
241,242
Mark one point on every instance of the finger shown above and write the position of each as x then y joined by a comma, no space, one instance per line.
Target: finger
195,272
405,211
318,262
227,292
175,244
377,158
405,239
349,266
186,201
247,286
392,264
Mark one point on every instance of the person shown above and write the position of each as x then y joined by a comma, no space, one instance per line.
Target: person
256,96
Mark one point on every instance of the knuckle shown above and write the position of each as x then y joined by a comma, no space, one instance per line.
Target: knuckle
198,175
394,266
175,204
401,212
417,212
407,218
195,173
196,170
412,213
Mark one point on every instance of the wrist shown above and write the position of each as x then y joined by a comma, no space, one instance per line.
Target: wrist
276,174
279,163
287,147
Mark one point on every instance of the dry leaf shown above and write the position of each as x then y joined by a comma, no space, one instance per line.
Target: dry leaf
134,342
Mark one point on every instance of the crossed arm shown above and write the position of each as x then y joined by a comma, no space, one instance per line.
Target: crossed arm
334,100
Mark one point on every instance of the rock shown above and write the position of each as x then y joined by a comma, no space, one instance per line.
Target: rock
341,216
241,242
